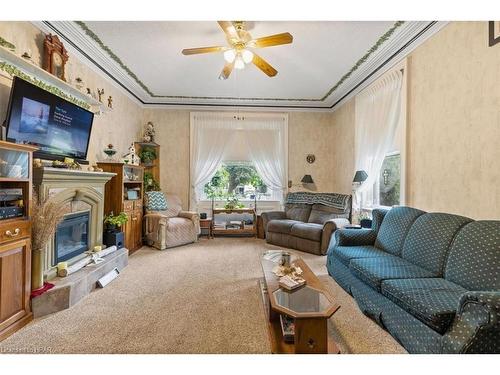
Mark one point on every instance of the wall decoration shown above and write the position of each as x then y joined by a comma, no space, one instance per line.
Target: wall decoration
493,32
110,102
7,45
100,93
79,84
14,71
55,56
311,158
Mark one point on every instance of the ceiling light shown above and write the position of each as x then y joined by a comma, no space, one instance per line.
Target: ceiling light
238,63
247,56
230,55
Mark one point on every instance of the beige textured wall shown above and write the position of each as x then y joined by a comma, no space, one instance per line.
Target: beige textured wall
121,126
343,148
453,128
307,133
172,133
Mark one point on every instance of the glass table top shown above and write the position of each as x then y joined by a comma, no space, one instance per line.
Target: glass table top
303,300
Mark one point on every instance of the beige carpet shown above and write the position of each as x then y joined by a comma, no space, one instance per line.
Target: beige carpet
200,298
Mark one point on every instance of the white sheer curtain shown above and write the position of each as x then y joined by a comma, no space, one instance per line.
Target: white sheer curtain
378,114
211,134
267,140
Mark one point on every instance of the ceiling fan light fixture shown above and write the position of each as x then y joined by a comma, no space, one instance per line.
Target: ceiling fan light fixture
239,63
247,56
230,55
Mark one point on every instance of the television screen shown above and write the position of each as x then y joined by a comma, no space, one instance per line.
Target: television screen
37,117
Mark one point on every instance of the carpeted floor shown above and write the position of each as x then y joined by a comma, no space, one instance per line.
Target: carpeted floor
200,298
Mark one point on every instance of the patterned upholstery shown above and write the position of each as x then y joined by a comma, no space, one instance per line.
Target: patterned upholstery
395,227
374,270
429,239
281,226
429,313
433,301
355,237
477,326
309,231
298,212
474,258
155,201
346,253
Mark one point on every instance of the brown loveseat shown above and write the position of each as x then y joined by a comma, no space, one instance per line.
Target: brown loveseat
308,221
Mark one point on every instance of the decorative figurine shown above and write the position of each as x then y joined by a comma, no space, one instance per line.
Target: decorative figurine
110,102
131,156
79,83
110,152
100,93
149,132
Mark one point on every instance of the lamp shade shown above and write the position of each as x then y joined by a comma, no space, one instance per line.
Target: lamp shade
307,179
360,176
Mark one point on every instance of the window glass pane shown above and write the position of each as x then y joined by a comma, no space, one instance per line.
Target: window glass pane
237,180
390,181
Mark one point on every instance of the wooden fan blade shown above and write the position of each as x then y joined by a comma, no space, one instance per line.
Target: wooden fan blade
271,40
195,51
229,30
264,65
226,71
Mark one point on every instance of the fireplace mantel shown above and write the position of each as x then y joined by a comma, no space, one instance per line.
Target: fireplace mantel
78,191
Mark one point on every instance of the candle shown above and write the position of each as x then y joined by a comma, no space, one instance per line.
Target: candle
97,248
62,269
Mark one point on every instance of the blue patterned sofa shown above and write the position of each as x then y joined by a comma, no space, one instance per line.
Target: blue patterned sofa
431,279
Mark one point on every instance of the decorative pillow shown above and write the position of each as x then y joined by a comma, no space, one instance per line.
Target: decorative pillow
155,201
299,212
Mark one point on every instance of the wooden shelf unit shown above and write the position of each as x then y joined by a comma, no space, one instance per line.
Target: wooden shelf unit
154,167
235,231
115,200
15,241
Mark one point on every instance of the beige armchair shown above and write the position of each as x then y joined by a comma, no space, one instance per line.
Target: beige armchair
171,227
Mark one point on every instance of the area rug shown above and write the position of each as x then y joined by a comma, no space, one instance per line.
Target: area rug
199,298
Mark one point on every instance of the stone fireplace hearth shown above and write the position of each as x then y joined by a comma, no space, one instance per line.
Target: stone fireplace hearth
81,193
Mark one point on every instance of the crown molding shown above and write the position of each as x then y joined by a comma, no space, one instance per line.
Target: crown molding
390,48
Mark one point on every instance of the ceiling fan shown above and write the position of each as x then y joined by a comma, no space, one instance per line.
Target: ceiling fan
238,53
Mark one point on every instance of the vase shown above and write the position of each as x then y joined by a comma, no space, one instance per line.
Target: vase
37,257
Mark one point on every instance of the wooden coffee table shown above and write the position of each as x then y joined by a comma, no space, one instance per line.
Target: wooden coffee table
310,306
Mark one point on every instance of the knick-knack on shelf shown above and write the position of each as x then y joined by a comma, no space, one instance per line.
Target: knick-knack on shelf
100,93
149,132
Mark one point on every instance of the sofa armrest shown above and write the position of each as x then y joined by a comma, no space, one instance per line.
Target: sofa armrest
355,237
476,328
193,216
329,227
271,215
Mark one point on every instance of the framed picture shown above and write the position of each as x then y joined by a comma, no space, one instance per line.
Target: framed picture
132,194
494,32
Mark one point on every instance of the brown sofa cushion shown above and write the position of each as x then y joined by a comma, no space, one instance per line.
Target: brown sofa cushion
281,226
299,212
308,231
321,214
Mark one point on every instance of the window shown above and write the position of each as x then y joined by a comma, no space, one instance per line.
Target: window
388,185
237,179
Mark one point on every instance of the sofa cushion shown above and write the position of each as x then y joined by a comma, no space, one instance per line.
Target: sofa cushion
474,258
320,214
281,226
394,228
308,231
374,270
155,201
298,212
429,240
346,253
432,301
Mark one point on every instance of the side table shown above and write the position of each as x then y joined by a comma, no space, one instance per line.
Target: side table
207,224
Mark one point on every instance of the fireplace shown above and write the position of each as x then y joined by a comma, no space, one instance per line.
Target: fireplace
72,237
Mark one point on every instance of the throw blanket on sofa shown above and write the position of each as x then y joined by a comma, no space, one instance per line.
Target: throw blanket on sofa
335,200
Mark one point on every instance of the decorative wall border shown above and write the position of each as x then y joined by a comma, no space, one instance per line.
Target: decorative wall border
14,71
380,41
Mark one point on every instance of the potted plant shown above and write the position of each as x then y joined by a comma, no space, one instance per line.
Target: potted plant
232,203
113,223
147,155
150,183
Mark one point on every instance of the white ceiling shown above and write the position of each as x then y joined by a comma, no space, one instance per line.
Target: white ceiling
145,59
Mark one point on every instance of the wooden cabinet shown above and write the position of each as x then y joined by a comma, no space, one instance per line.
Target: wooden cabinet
124,193
15,236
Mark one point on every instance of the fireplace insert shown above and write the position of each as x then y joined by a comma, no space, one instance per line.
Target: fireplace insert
72,236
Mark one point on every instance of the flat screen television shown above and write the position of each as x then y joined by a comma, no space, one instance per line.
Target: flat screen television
58,127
